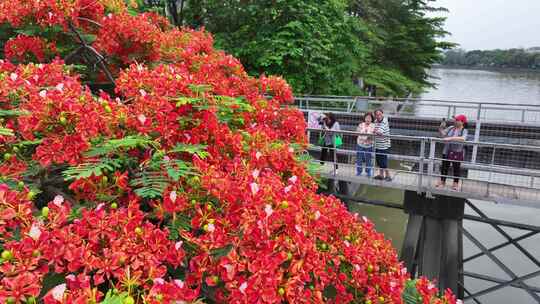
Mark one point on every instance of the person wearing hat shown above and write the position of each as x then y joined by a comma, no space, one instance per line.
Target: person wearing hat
454,149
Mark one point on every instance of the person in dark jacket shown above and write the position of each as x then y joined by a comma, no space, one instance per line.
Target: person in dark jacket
330,123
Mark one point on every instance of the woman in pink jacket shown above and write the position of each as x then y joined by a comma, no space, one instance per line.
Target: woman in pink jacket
364,142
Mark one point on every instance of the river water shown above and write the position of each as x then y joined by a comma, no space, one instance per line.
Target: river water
514,87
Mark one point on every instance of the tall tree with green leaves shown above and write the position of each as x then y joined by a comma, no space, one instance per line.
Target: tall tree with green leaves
313,44
322,47
405,41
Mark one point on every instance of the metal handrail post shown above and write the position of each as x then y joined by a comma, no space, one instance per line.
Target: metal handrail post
374,156
431,163
491,170
334,162
421,165
477,133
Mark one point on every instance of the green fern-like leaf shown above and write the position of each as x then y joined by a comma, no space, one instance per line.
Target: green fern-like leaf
181,222
221,252
180,101
200,88
113,298
6,132
313,167
114,145
12,113
410,294
149,184
177,169
92,168
199,150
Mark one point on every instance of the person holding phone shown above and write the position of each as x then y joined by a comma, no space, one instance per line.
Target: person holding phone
329,123
454,149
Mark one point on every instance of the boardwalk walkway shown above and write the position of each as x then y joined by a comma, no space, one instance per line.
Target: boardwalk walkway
473,187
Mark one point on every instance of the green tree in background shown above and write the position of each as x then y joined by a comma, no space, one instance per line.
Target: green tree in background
324,46
512,58
405,41
313,44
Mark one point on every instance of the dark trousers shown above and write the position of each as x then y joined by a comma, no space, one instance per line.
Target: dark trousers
327,155
456,169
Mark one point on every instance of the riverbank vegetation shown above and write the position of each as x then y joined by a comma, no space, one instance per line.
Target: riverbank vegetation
501,59
326,46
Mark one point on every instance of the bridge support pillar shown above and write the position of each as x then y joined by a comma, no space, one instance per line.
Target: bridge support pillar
338,187
433,244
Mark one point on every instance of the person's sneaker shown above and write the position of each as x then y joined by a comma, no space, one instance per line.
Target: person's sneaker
388,179
378,177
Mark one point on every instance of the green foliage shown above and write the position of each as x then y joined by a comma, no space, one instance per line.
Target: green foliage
177,169
323,47
404,40
199,150
512,58
152,182
313,167
51,280
181,222
149,184
410,294
113,298
311,44
6,132
390,80
221,252
96,168
149,180
11,113
126,143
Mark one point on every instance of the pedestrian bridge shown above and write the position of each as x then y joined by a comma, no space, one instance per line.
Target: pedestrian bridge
492,171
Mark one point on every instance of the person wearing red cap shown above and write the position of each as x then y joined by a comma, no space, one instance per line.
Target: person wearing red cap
454,149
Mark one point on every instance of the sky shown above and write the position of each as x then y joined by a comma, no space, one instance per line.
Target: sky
493,24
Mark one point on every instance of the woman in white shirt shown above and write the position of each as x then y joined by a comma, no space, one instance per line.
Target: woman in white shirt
365,145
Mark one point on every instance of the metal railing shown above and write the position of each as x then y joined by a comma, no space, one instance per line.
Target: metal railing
503,173
432,108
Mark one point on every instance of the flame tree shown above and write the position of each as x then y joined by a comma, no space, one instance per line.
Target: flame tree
180,183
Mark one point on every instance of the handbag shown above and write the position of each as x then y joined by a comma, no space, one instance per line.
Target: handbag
320,141
338,141
458,156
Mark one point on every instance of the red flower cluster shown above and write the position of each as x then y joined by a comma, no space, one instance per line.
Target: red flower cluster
129,38
428,292
187,184
26,49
